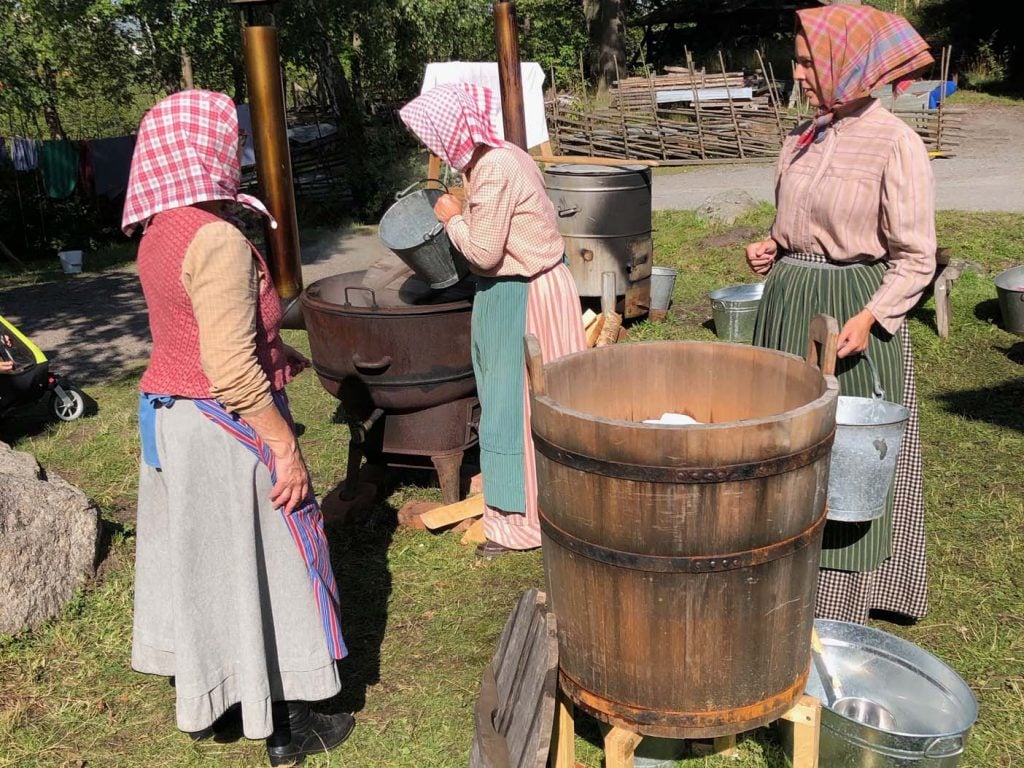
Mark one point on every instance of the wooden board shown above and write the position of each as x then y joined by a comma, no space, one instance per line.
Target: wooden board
515,712
454,513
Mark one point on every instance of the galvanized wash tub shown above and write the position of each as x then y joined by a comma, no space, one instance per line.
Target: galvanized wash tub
1010,289
933,708
734,309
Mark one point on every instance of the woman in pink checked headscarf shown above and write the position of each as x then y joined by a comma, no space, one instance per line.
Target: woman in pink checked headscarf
854,238
508,233
235,598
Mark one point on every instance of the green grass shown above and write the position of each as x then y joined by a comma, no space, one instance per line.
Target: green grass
422,614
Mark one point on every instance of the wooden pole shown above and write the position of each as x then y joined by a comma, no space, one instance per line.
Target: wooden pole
732,108
510,73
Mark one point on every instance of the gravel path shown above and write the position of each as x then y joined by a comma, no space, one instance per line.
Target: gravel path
93,326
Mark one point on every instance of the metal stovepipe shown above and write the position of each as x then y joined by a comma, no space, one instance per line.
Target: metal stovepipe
510,73
273,160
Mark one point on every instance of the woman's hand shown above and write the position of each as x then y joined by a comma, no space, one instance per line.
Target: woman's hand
856,334
761,255
297,362
292,486
446,207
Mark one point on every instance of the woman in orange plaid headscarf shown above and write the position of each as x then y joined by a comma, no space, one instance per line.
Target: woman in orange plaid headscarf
854,238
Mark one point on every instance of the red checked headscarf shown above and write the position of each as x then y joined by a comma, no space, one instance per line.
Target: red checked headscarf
186,152
856,49
453,120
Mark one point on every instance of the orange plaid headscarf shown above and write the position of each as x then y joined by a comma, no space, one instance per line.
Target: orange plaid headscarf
856,49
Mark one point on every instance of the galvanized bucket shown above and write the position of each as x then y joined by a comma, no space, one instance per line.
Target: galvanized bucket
663,282
869,431
931,710
1010,289
734,310
411,229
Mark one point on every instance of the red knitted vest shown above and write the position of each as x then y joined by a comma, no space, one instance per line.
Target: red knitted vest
174,364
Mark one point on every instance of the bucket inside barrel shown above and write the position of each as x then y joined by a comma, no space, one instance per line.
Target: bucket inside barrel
1010,290
663,283
734,310
869,432
411,230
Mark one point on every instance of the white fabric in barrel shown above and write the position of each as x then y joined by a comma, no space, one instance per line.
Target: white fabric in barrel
486,73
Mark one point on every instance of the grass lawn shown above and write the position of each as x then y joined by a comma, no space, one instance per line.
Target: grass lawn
422,614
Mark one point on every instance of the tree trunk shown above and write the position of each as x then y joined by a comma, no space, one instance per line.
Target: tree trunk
606,27
348,114
50,111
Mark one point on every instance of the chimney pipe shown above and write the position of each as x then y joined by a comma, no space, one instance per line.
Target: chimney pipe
510,73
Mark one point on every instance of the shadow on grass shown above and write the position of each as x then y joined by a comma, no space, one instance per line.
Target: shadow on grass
999,405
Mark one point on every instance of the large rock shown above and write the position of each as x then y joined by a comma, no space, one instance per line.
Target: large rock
726,206
49,532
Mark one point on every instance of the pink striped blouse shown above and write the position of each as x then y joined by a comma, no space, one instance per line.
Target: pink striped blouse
509,226
864,192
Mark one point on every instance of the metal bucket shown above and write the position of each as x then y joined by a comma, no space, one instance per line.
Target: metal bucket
663,282
734,310
933,709
1010,289
869,431
411,229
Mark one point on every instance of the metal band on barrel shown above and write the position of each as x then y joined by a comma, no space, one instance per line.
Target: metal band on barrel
680,564
685,475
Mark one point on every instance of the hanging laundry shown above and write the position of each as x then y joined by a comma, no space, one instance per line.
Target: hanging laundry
86,182
245,130
3,151
58,160
24,154
111,163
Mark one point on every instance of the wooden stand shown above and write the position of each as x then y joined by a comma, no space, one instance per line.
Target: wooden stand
620,743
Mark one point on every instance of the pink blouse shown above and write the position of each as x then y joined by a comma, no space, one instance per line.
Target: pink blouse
864,192
509,225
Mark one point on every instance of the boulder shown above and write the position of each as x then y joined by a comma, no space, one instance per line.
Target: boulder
49,533
726,206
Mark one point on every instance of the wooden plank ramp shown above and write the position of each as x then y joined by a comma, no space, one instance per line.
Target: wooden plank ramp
515,710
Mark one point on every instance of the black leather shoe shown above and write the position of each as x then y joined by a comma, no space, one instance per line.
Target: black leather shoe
226,728
300,732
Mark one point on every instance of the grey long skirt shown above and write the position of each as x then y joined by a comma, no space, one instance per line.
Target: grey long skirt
223,601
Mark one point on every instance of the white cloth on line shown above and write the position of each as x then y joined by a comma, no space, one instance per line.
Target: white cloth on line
486,73
245,124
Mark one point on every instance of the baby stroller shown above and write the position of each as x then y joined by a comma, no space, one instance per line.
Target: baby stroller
30,377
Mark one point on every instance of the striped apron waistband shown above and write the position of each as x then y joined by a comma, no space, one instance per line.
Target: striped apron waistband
821,261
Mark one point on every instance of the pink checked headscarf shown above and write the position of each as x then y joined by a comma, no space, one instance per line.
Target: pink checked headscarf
453,120
186,152
856,49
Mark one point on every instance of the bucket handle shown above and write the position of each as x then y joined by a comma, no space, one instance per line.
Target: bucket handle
534,365
415,184
945,746
878,390
373,295
823,332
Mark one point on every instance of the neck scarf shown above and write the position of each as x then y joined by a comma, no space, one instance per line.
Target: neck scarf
186,152
856,49
453,120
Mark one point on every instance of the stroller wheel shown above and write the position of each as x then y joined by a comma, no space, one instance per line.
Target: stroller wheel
67,403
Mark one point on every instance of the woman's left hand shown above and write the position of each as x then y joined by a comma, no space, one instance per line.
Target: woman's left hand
446,207
297,362
856,334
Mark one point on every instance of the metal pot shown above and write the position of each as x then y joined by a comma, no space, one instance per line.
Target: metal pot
404,355
1010,289
869,431
933,708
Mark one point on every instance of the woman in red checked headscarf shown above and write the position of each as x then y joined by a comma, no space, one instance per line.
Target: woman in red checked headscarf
508,233
854,238
235,598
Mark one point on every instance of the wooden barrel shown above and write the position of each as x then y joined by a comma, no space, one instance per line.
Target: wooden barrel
682,562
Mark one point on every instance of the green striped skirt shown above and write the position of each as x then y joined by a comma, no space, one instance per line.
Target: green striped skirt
798,289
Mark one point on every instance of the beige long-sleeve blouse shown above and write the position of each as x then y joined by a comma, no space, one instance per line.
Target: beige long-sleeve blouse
864,192
509,226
